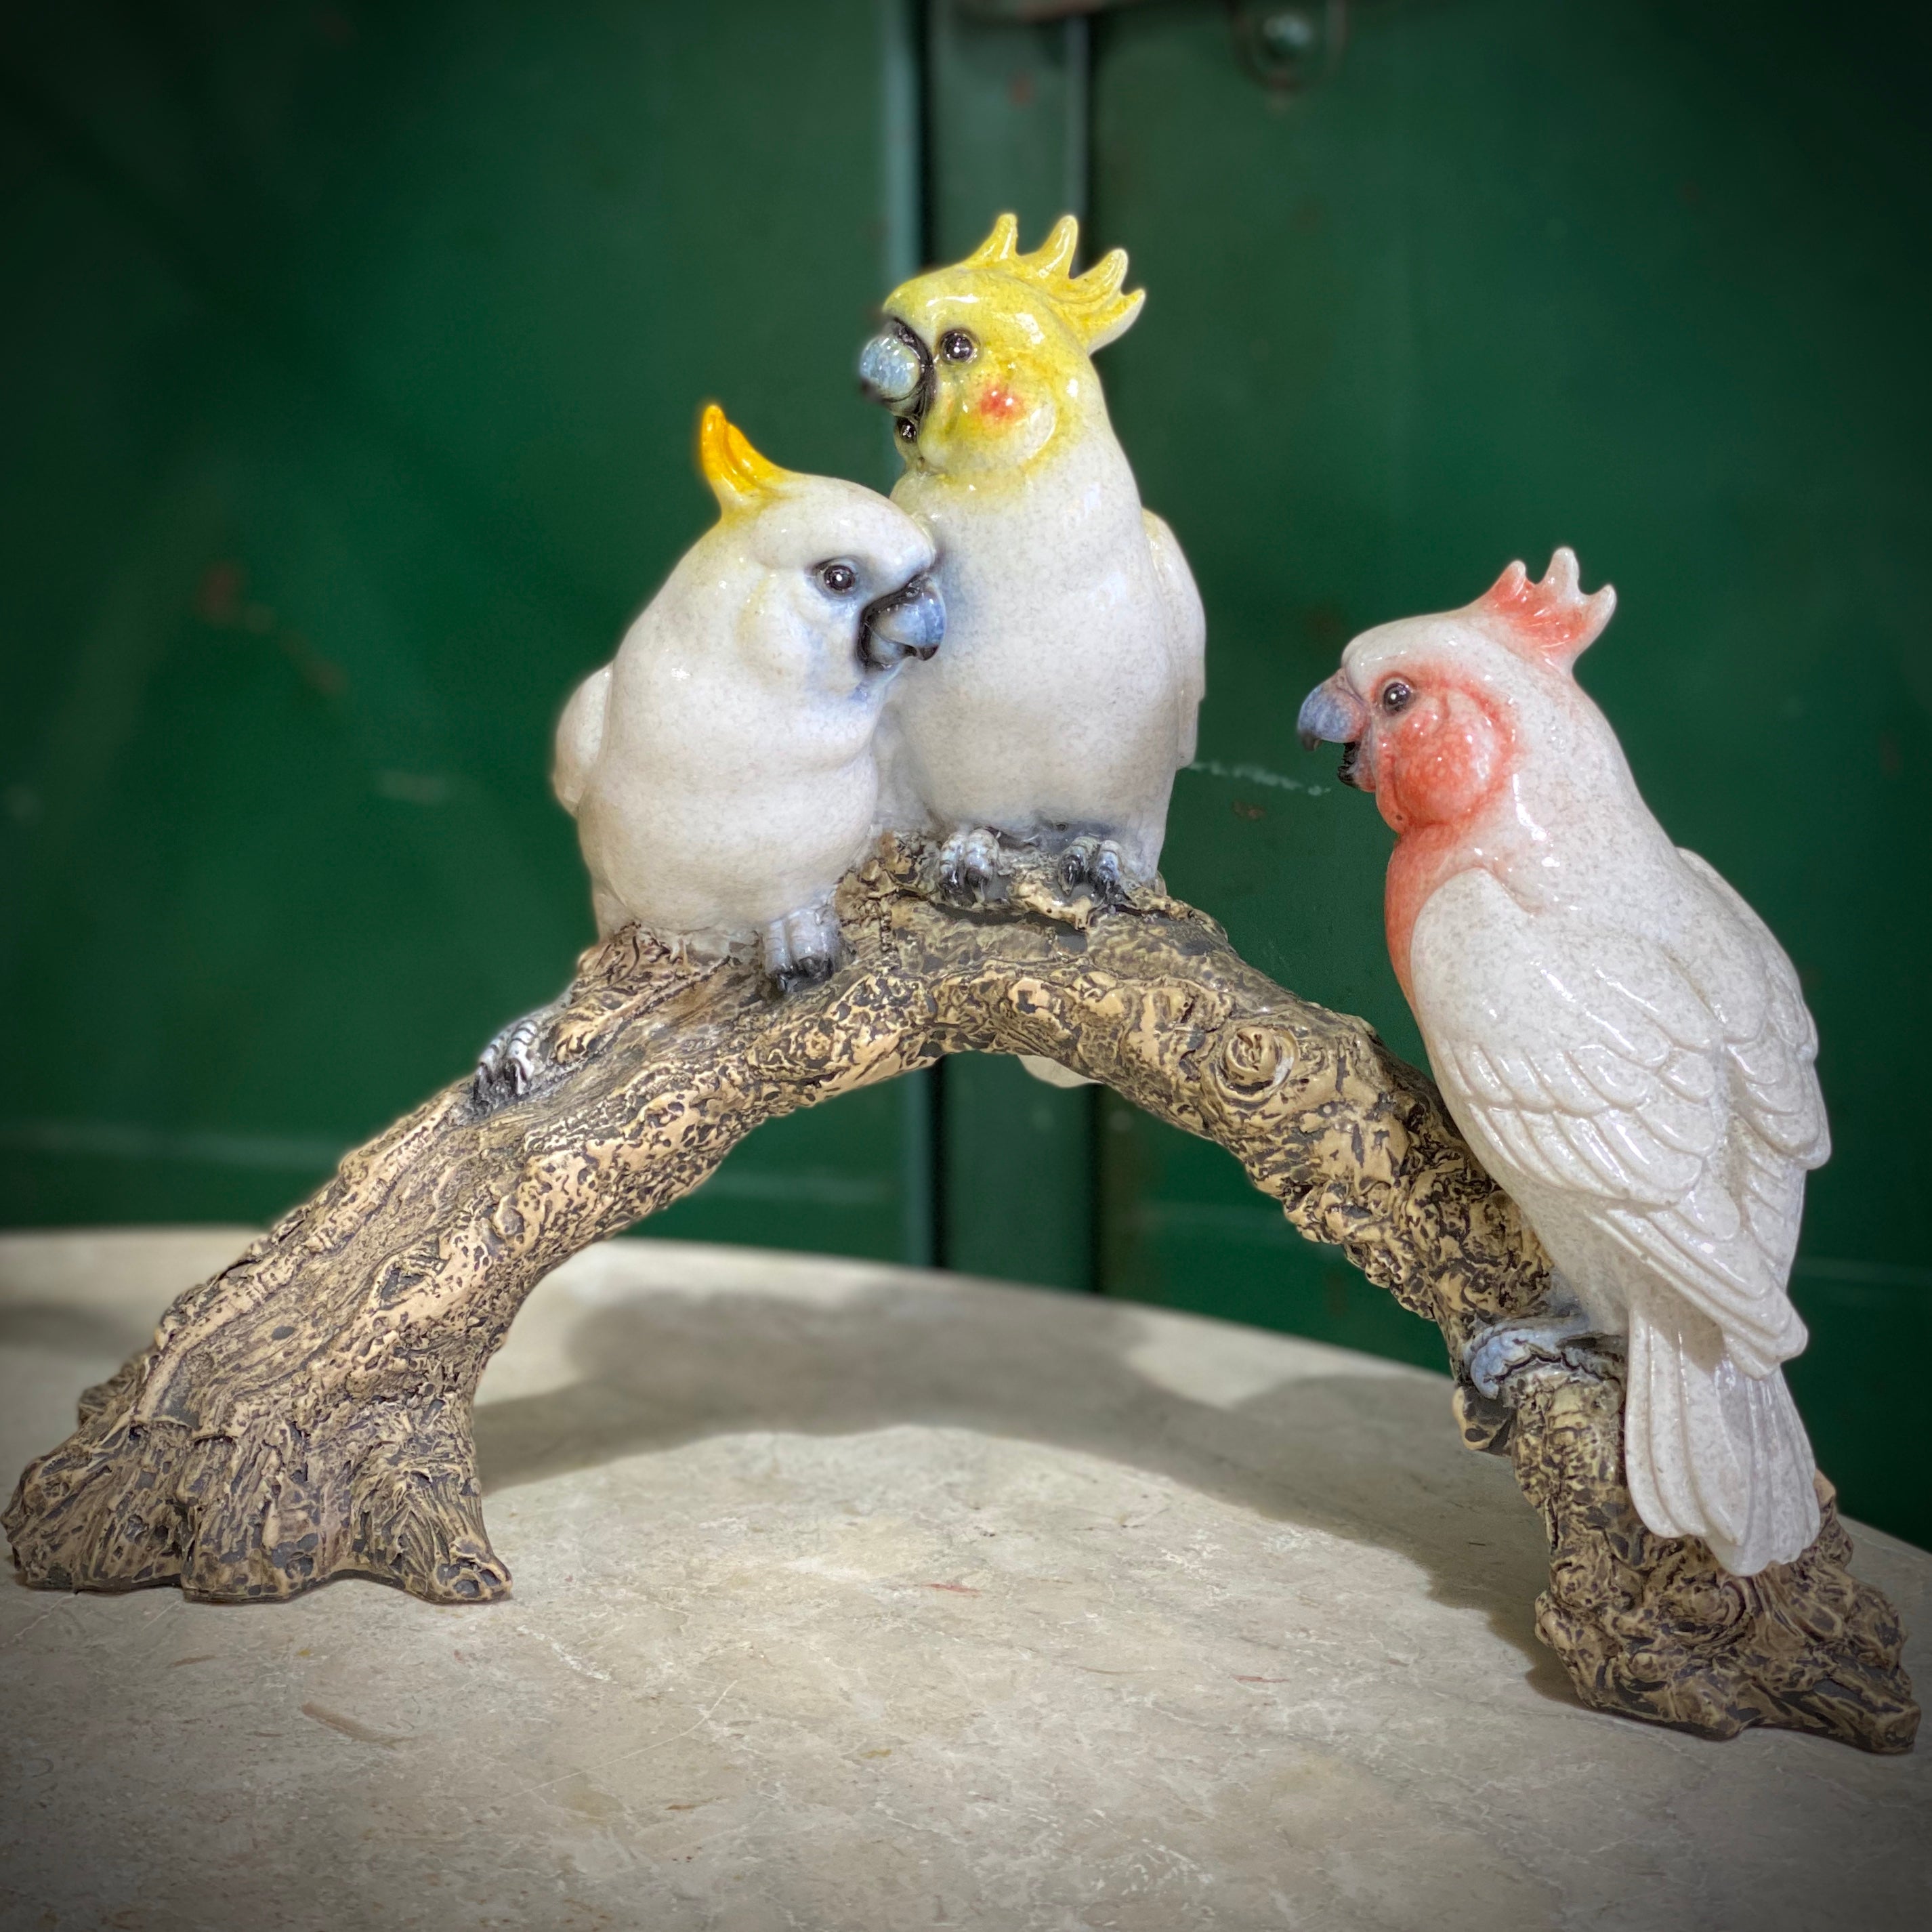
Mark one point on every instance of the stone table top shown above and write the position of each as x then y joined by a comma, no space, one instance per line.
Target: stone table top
851,1599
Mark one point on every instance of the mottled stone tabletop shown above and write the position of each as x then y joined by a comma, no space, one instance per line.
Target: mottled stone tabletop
851,1599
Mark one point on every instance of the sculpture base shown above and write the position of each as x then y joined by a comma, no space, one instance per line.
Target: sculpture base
1038,1610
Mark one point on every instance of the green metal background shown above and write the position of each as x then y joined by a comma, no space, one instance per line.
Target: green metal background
351,367
352,357
1649,280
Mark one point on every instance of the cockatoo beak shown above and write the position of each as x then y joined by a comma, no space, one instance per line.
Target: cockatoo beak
895,369
1332,714
910,623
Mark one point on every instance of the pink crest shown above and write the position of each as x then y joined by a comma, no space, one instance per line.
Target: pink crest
1553,619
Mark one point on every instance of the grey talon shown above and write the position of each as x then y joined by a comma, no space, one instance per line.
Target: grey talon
1499,1352
969,866
1094,863
802,948
507,1067
804,972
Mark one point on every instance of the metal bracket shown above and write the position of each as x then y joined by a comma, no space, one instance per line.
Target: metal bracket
1289,48
1286,45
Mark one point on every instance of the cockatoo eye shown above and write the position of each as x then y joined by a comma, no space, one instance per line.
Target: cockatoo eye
1395,695
841,579
956,345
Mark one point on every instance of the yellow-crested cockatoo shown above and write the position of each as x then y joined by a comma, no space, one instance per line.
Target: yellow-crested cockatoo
1074,663
1618,1034
721,767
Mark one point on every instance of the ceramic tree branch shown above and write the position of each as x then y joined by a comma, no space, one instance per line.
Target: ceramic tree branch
306,1414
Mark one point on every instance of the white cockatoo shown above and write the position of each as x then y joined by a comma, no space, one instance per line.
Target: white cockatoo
1617,1033
1074,664
721,768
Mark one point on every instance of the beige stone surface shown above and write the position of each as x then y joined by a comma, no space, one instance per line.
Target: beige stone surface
851,1597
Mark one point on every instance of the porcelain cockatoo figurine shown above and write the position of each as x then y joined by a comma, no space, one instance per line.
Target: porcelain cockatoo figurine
1616,1032
1074,662
721,767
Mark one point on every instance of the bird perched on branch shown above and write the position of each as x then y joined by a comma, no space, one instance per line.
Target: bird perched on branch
721,768
1074,664
1616,1031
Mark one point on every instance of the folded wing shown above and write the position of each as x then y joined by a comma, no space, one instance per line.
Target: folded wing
1186,633
1668,1092
580,737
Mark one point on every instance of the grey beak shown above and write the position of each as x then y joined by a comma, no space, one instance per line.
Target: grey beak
910,623
891,369
895,369
1331,714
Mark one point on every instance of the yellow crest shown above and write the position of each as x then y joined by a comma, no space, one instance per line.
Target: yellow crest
1091,305
738,474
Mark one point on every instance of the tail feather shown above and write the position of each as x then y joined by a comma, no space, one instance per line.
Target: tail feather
1711,1452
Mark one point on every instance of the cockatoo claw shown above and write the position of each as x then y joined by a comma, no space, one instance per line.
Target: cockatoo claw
509,1064
802,949
1095,866
1561,1338
972,868
803,973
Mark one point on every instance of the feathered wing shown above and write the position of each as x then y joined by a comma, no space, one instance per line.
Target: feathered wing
1772,1055
580,737
1662,1103
1187,631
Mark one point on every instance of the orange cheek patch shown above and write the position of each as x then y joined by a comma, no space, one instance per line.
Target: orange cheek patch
997,405
1440,766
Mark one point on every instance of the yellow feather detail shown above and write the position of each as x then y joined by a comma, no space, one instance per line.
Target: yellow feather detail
1091,305
998,246
1054,255
738,474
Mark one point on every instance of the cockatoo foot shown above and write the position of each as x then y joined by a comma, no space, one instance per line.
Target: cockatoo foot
972,866
509,1062
1562,1338
801,950
1095,866
803,973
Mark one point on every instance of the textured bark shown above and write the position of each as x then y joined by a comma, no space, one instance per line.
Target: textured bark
306,1414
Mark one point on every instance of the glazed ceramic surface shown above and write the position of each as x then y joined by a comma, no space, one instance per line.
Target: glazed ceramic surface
1065,699
721,767
1617,1033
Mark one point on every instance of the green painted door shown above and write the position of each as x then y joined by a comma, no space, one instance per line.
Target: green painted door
352,356
1502,274
1007,129
1645,279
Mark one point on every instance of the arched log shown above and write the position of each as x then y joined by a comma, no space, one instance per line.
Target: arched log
306,1414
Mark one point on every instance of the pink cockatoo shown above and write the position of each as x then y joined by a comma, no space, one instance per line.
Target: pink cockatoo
1616,1032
